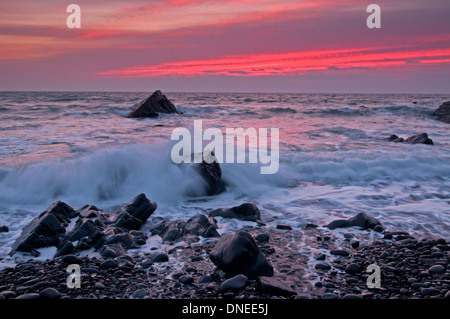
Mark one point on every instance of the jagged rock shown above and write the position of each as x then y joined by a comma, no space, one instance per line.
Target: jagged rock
239,254
419,139
361,220
209,169
170,230
246,211
4,229
201,225
113,251
443,112
154,104
394,138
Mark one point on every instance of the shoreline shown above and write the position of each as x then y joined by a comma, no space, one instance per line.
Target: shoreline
409,270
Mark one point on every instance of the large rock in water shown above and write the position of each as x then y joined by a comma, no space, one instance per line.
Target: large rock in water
211,172
361,220
246,211
154,104
419,139
239,254
110,233
443,112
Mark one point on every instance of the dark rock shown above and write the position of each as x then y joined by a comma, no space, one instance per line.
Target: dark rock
186,280
7,294
272,286
113,251
170,231
419,139
437,269
394,138
151,106
159,258
320,257
443,112
206,280
140,208
246,211
340,252
84,228
429,291
65,247
209,169
447,295
126,221
99,285
239,254
234,284
4,229
361,220
322,266
355,244
109,263
50,293
378,228
139,294
200,225
353,269
262,237
284,227
71,259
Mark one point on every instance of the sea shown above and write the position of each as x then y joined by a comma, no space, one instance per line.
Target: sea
334,158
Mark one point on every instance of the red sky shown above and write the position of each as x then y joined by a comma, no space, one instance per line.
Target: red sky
226,46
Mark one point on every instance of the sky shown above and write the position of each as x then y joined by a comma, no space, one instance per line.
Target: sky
295,46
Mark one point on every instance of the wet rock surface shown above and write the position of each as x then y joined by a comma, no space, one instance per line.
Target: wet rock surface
154,104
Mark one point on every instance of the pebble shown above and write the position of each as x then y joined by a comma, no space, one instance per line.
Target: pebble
428,291
99,285
139,294
437,269
340,252
329,296
322,266
186,280
262,237
50,293
284,227
71,259
352,296
320,257
109,264
235,283
353,269
159,258
28,296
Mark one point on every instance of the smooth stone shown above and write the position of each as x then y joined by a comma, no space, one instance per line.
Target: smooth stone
340,252
28,296
284,227
8,294
353,269
234,284
139,294
162,257
272,286
428,291
99,285
262,237
437,269
186,280
322,266
352,296
50,293
329,296
71,259
109,264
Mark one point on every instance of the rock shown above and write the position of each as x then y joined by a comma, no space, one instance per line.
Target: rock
209,169
322,266
340,252
28,296
329,296
272,286
320,256
361,220
236,283
139,294
43,231
262,237
170,231
113,251
284,227
394,138
4,229
238,254
428,291
437,269
154,104
49,293
186,280
83,228
443,112
447,295
353,269
206,280
71,259
99,285
419,139
246,211
200,225
7,294
109,263
140,208
159,258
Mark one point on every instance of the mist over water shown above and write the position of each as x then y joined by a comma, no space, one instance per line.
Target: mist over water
335,160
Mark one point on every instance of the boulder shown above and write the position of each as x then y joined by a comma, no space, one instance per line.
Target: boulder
234,284
200,225
170,230
209,169
239,254
154,104
443,112
246,211
361,220
419,139
394,138
4,229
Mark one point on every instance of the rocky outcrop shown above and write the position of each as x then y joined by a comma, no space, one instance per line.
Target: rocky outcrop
154,104
239,254
360,220
172,231
415,139
246,211
443,112
110,233
211,173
